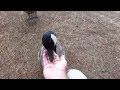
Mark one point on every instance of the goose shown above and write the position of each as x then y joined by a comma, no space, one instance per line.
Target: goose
50,43
32,15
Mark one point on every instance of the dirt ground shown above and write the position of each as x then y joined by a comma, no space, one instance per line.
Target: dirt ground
91,40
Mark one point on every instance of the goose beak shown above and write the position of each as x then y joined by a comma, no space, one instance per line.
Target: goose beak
50,55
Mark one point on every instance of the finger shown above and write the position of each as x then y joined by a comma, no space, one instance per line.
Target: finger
45,61
56,57
63,58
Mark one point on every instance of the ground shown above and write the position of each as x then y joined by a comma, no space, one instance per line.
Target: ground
91,40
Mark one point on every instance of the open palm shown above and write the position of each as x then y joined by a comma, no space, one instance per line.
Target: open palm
56,69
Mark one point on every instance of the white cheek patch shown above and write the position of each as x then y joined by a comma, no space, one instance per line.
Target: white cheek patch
54,38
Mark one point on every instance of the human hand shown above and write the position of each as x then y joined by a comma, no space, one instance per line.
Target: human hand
56,69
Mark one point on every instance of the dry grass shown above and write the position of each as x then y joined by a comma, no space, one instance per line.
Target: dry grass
91,41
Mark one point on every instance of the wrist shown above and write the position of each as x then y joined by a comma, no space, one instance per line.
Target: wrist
58,76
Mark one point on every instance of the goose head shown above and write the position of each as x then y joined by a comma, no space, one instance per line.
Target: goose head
49,41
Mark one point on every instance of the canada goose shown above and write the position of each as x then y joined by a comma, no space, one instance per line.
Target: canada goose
51,44
32,15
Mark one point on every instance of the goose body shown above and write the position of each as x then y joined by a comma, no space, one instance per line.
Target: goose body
30,12
32,15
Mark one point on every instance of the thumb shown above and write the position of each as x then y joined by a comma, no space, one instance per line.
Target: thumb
62,57
63,60
45,61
